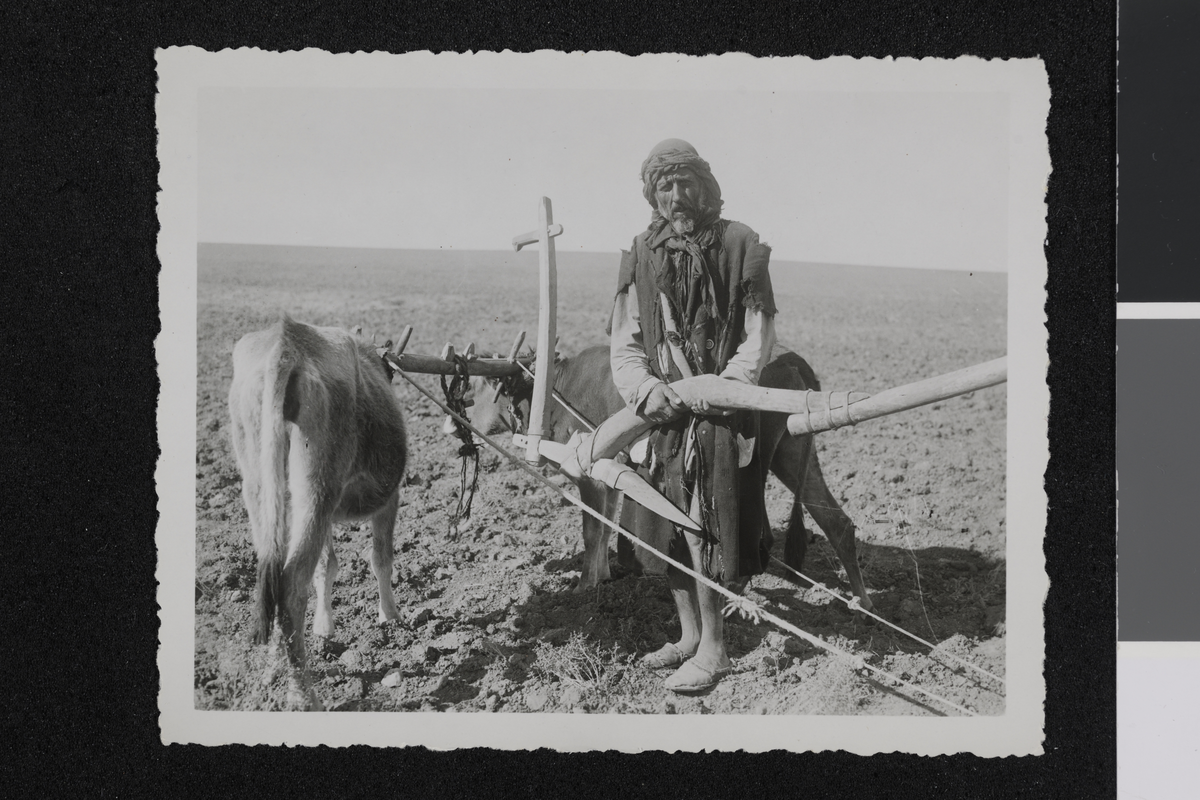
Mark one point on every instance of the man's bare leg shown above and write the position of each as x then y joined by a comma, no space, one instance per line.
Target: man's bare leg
683,592
711,661
711,653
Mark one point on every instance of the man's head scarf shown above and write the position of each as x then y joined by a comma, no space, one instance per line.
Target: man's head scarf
670,155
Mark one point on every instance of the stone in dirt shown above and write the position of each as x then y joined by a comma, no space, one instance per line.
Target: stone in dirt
451,641
352,659
421,651
536,701
392,679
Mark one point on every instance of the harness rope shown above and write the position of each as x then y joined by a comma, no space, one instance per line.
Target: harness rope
455,391
743,605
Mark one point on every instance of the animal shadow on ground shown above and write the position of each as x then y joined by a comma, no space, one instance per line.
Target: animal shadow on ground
934,593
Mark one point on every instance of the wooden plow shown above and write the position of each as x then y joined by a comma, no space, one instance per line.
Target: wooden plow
593,454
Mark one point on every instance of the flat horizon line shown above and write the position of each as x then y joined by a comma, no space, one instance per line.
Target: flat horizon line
558,251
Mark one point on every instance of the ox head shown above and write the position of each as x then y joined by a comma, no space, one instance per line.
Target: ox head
497,405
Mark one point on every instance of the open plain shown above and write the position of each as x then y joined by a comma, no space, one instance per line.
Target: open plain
489,622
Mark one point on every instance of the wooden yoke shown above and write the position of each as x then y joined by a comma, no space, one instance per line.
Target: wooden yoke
543,383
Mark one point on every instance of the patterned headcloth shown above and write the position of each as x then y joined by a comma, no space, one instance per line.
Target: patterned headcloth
668,156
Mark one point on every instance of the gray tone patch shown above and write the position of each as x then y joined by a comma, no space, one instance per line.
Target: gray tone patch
1158,465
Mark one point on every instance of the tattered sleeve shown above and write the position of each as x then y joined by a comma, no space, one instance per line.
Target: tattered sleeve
758,332
627,353
756,279
754,350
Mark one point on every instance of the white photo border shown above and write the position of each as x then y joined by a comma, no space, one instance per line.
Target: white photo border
1017,732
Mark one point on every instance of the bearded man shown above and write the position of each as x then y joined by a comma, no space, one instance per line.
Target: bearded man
693,298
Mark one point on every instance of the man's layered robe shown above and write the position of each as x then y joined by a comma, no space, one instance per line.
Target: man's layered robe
722,309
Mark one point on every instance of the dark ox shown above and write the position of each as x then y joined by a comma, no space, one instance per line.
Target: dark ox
586,383
319,438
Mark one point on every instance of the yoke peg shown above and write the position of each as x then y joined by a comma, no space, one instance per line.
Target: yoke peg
404,334
516,347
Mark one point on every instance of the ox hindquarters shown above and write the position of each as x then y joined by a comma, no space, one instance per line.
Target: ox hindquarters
319,438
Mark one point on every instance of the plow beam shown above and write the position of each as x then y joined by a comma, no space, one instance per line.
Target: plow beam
901,398
809,411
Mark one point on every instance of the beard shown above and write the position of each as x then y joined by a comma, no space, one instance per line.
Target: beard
683,217
683,222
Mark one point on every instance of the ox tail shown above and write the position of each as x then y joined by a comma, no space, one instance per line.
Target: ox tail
271,542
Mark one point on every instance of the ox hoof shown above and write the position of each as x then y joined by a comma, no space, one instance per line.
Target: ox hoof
864,604
589,584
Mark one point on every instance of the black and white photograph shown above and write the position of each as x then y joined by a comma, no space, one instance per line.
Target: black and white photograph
597,402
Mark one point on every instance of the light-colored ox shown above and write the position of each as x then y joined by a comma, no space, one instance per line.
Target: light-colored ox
585,382
319,438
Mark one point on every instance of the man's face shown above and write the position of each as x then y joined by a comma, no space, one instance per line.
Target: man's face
679,198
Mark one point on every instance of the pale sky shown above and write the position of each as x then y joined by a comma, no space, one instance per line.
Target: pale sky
898,178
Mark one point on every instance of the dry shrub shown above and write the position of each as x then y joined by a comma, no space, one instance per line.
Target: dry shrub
580,663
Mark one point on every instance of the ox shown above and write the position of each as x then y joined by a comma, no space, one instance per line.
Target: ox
319,438
586,383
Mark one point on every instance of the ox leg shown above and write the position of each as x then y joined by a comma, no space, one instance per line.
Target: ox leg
836,524
327,568
310,536
383,525
247,449
297,575
595,535
795,543
790,464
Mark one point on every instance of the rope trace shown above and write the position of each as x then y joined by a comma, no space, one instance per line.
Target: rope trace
853,604
738,602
